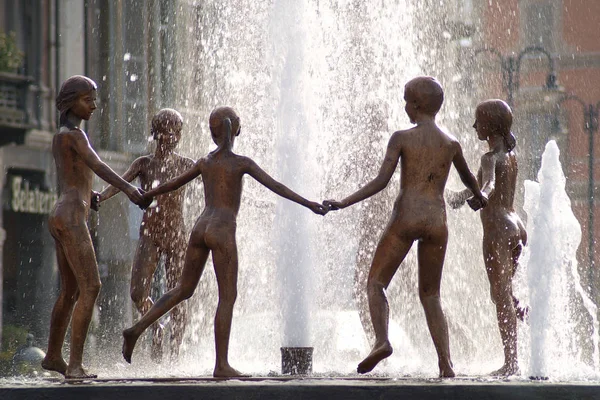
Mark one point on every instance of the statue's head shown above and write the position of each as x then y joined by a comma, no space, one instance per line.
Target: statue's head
423,94
71,91
219,127
166,126
494,117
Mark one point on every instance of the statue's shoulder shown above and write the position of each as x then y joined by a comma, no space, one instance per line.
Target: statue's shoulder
184,161
143,161
400,136
70,131
444,134
73,136
489,159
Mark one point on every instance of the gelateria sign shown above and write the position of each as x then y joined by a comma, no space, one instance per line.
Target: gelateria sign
27,198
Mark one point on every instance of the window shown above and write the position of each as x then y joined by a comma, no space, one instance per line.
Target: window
539,25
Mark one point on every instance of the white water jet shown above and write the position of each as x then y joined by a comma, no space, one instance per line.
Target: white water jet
293,130
306,78
319,89
556,296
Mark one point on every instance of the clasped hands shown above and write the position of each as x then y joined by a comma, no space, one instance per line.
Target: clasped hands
455,200
477,203
328,205
139,197
136,195
333,205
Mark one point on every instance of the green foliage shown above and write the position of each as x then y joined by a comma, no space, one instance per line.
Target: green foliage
6,363
10,55
12,337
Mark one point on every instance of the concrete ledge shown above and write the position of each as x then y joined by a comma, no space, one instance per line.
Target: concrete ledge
329,389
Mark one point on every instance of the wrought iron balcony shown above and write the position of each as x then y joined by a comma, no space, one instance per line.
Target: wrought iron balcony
15,101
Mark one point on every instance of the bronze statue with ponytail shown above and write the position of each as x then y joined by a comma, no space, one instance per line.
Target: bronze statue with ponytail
503,232
69,93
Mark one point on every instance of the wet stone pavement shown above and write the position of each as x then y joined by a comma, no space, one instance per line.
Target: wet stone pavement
290,388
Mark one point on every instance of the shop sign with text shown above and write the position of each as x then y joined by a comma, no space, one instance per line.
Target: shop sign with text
28,198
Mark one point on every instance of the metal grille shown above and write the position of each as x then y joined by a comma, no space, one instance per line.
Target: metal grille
13,90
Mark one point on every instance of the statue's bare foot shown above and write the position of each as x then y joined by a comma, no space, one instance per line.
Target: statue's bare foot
78,372
228,372
446,370
507,370
379,352
129,340
55,364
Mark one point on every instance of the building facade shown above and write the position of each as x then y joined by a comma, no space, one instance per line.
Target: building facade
128,47
109,42
525,42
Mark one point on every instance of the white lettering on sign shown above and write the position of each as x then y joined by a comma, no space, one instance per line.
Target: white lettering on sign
27,200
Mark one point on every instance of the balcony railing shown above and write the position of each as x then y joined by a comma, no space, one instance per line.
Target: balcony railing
15,101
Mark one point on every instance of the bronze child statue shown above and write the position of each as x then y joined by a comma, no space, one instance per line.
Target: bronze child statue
425,153
222,171
503,232
76,163
162,231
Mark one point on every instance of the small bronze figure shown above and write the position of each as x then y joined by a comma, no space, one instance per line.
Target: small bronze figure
76,163
162,231
503,232
222,171
426,154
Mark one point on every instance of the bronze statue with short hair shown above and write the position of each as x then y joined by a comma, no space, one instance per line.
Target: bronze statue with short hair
162,231
425,153
222,174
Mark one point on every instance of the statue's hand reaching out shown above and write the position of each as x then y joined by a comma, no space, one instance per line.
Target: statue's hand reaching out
95,201
318,208
146,201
